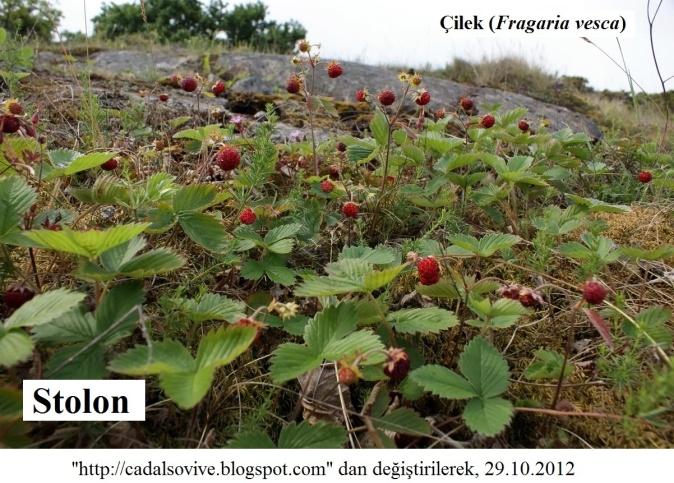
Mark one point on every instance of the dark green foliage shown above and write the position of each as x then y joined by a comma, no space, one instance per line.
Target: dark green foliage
179,20
29,18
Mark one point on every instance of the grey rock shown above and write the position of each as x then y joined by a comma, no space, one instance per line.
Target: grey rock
267,74
143,63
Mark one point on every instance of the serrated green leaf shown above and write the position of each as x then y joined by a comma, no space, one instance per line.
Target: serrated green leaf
222,346
377,279
326,286
154,262
548,365
16,198
651,326
79,163
379,128
196,197
380,255
90,244
11,403
205,230
211,306
305,435
186,389
442,382
164,356
485,368
251,440
403,420
280,232
488,416
77,361
119,311
431,320
44,308
362,342
291,360
15,347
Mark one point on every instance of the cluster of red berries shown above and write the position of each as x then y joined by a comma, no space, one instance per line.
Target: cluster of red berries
594,292
526,296
361,95
523,125
247,216
428,269
228,158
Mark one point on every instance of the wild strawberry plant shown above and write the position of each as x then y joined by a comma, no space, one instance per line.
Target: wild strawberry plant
450,274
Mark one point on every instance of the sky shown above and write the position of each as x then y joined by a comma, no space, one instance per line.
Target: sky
400,32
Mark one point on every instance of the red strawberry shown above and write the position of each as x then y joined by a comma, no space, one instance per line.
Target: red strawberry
218,88
645,177
429,271
9,124
523,125
327,186
398,364
228,158
334,70
110,165
423,98
350,209
361,95
347,375
386,97
247,216
163,97
15,108
467,104
189,84
487,121
594,292
17,296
